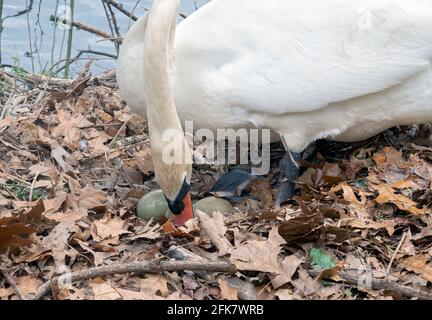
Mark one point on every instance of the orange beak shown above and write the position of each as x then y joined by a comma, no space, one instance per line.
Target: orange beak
187,213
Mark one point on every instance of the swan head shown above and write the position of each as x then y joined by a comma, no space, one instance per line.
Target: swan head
179,201
173,170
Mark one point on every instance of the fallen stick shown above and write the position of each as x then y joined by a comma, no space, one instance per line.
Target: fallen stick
382,284
135,267
182,254
385,284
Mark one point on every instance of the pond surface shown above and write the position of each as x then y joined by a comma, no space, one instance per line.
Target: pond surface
49,40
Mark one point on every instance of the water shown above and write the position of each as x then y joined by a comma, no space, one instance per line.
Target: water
49,42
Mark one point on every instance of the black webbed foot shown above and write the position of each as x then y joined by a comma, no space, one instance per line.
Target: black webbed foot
289,173
232,184
290,170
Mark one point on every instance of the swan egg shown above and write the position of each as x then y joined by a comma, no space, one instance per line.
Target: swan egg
153,205
210,205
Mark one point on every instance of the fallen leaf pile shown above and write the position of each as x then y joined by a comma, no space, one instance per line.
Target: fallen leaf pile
74,161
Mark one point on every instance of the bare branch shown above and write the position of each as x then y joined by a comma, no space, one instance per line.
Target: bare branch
121,8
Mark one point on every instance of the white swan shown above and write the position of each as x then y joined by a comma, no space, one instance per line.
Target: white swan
310,69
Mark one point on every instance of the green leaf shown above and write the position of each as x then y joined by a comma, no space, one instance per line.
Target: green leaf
321,259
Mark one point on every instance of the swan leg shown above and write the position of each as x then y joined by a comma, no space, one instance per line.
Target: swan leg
232,184
289,173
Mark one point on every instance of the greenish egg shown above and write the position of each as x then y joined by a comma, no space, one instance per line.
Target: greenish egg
210,205
153,205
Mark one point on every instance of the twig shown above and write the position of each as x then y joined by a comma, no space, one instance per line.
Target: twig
78,57
37,79
29,35
120,8
38,49
33,79
53,44
118,133
32,186
13,178
135,267
381,284
182,254
133,10
104,125
20,13
396,252
13,284
1,27
85,27
70,39
112,23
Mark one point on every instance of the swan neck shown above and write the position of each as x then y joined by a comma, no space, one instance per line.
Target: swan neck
158,65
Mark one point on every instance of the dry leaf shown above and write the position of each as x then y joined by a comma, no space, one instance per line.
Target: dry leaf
227,292
102,290
420,265
91,198
28,284
258,255
4,293
133,295
148,231
214,228
98,257
153,284
305,226
388,155
57,241
305,285
54,204
289,265
144,161
13,231
284,294
388,195
388,225
108,228
60,154
261,188
69,128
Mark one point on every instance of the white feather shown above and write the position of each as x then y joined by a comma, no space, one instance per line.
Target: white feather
309,69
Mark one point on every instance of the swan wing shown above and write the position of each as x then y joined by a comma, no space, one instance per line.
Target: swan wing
287,56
